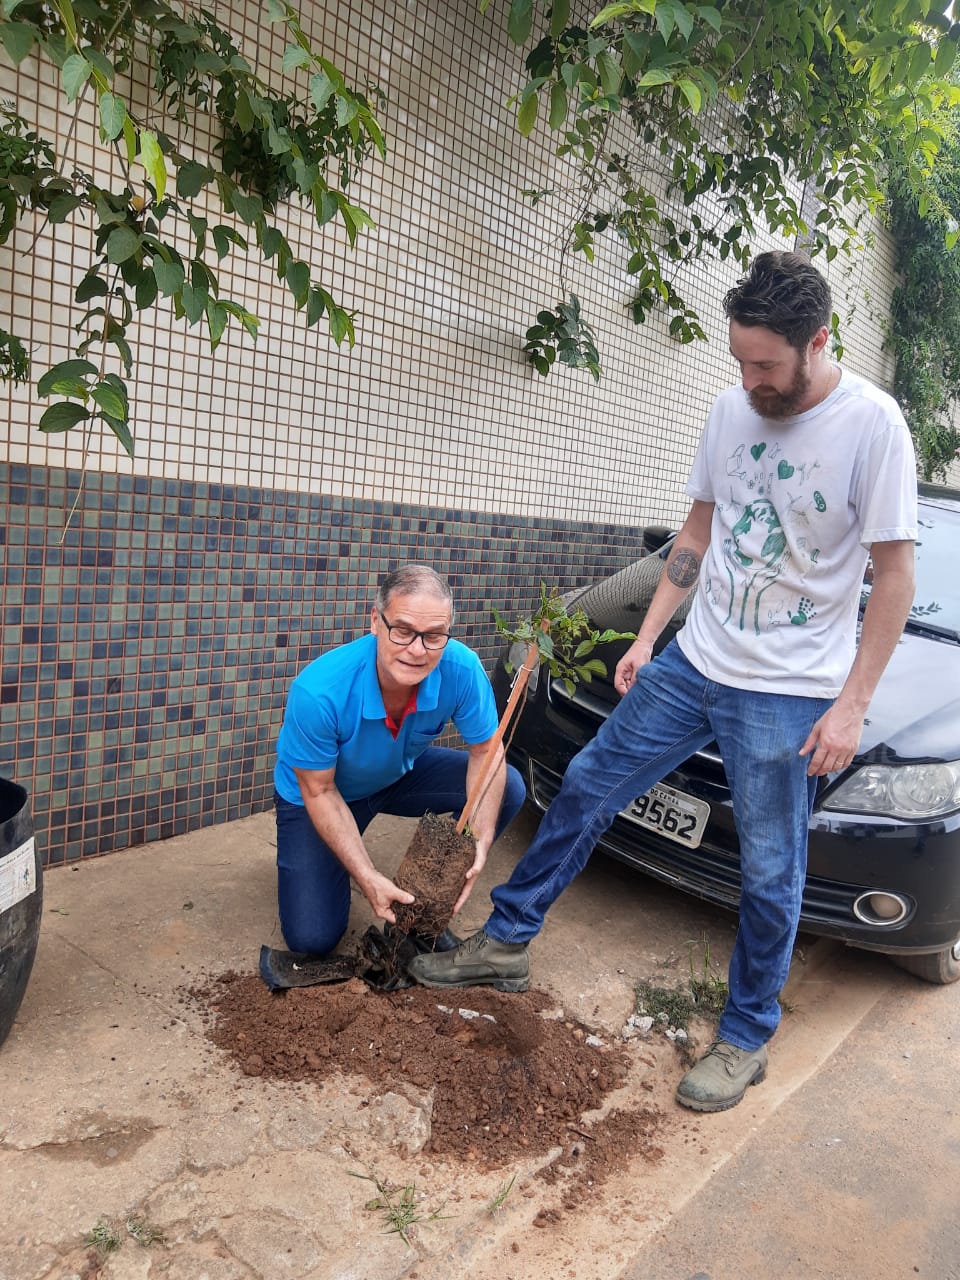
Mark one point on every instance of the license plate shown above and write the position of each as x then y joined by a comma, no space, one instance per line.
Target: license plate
671,813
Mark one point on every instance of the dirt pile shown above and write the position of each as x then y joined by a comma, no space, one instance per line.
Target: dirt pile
510,1077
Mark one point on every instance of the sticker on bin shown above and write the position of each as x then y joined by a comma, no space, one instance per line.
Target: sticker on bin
18,875
672,813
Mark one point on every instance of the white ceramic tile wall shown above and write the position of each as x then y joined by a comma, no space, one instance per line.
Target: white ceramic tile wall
436,403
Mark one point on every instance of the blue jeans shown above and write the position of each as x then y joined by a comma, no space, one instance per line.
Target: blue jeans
313,887
670,712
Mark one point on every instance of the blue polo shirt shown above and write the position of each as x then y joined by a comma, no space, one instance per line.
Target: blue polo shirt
335,717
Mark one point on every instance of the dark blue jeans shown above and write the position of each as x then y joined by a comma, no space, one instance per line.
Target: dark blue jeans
670,712
313,887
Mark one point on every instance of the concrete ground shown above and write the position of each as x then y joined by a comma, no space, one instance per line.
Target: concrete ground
115,1109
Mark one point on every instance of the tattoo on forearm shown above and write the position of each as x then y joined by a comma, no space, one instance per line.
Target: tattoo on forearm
683,568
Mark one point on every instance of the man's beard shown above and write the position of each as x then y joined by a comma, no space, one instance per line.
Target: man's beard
781,404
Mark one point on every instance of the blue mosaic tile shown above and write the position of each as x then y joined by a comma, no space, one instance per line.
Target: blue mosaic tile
159,641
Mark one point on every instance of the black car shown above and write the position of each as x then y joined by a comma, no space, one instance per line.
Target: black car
884,850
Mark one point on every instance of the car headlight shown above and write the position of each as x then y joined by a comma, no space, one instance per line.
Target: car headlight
516,657
909,791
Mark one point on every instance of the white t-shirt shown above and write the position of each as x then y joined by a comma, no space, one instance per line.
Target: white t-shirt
797,504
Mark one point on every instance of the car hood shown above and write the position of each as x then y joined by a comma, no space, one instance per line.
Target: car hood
915,712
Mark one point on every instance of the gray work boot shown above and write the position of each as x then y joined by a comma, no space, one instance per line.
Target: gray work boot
720,1078
479,961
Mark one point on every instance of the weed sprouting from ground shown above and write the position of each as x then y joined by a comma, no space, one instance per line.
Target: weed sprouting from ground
144,1232
708,988
498,1201
703,995
398,1206
103,1237
106,1238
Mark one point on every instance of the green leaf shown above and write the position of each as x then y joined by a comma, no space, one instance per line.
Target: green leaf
61,208
341,325
347,109
244,112
224,237
665,18
121,430
130,139
216,322
318,302
91,286
326,206
191,178
75,72
298,278
72,387
66,370
65,9
18,39
249,208
249,321
635,52
62,416
321,90
611,12
609,72
919,62
692,94
527,115
559,17
110,400
151,157
272,242
123,347
113,112
194,302
558,105
946,56
169,275
294,57
520,20
102,67
145,293
655,76
122,243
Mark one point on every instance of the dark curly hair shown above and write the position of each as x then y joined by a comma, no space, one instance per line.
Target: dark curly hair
782,292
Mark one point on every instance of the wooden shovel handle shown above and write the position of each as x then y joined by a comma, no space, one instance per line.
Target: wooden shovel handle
478,788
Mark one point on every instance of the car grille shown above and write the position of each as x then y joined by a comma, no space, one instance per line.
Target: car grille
712,870
590,707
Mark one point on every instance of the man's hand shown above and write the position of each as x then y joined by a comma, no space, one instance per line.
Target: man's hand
382,893
833,741
479,862
637,656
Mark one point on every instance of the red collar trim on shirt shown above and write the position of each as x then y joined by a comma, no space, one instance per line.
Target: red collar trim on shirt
394,727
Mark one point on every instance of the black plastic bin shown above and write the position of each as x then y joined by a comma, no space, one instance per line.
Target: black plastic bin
21,898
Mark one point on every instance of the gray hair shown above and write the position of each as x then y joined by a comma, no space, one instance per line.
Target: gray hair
410,579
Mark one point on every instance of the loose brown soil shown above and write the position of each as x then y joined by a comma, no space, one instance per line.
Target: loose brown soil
510,1077
433,869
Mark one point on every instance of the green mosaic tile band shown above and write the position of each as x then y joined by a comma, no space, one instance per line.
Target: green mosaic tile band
147,651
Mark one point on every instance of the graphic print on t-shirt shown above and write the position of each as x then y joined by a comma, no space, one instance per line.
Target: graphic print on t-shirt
756,553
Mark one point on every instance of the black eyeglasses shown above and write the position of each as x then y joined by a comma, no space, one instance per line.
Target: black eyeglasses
404,635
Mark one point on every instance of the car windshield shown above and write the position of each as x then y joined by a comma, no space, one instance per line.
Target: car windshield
936,605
